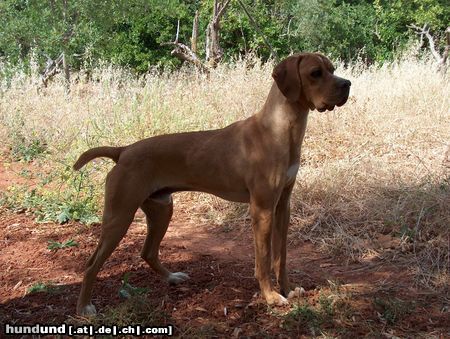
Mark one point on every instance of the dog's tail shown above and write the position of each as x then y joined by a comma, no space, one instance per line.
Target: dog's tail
105,151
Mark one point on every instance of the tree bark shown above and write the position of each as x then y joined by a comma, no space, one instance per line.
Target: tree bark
214,52
194,33
183,52
440,59
66,73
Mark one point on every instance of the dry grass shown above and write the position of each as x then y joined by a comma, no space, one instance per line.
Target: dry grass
373,182
376,168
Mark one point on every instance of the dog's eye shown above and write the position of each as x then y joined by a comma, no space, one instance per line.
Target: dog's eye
317,73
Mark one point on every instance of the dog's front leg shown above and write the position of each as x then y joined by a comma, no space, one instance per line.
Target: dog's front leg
263,218
279,240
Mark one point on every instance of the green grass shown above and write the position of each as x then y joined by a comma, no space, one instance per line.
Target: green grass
128,291
24,145
311,319
59,196
38,287
56,245
392,310
42,287
328,312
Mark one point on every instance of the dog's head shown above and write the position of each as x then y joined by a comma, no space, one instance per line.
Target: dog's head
309,78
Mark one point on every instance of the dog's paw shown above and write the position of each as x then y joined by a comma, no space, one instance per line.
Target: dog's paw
274,298
87,311
177,277
296,293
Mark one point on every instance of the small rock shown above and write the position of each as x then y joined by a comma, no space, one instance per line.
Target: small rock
296,293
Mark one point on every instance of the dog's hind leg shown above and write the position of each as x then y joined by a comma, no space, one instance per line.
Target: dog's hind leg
158,212
121,204
106,245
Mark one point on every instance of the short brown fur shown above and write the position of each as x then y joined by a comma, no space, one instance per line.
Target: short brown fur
253,160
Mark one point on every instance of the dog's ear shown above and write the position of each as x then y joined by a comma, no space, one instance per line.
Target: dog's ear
287,77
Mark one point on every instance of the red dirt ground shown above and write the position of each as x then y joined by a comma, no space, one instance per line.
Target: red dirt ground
219,300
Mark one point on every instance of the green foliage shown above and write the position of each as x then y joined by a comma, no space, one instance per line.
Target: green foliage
340,30
313,318
75,201
240,37
130,33
393,17
305,315
392,310
136,309
127,290
141,27
42,287
25,145
27,151
38,287
331,309
56,245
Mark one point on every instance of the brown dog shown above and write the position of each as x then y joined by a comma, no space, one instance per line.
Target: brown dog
255,160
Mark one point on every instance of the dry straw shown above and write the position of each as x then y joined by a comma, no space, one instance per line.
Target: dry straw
372,170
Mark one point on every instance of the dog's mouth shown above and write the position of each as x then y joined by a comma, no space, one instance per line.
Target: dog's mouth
343,101
330,107
325,108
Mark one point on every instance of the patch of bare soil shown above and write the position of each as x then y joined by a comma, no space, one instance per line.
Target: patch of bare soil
375,298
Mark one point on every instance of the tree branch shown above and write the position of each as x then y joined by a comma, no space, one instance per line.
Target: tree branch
178,31
52,68
183,52
221,10
447,47
272,51
214,52
194,33
441,60
425,31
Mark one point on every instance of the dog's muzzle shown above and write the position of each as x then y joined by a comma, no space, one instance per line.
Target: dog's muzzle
343,91
344,85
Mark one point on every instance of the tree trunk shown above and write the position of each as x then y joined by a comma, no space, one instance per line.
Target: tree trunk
212,49
214,52
66,73
440,59
194,33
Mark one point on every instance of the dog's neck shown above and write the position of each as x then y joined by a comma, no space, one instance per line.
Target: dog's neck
277,108
283,119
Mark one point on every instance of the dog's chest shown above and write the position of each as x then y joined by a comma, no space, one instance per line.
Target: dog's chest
291,173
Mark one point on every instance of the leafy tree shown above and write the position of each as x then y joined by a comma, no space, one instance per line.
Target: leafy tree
139,29
393,18
48,27
240,36
131,32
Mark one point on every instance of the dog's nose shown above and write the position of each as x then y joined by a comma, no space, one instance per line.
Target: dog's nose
345,83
